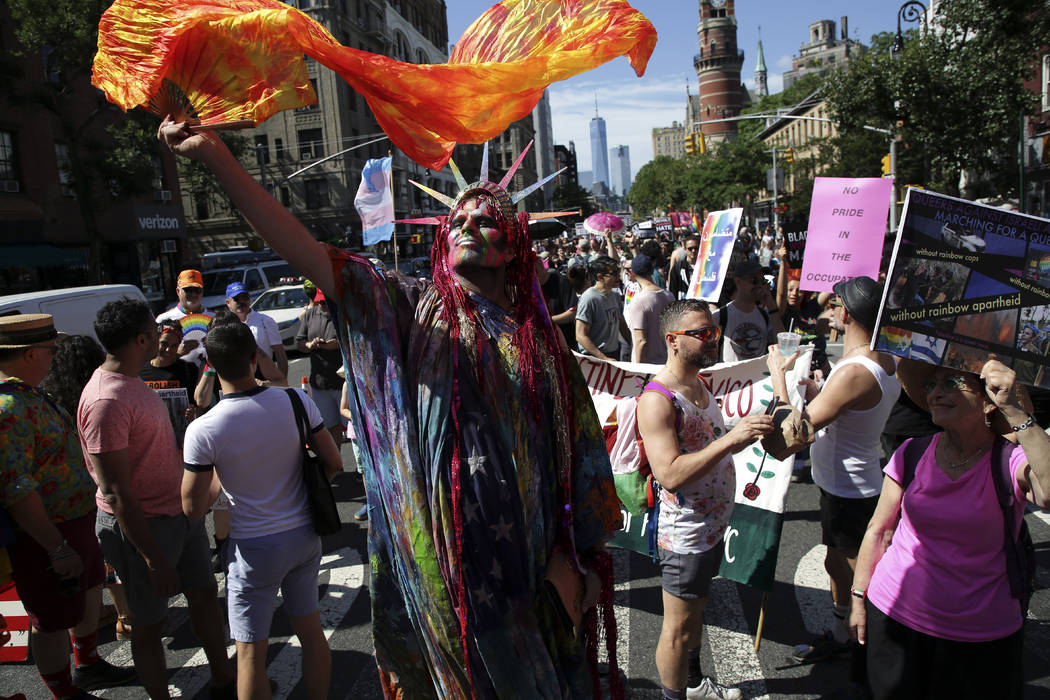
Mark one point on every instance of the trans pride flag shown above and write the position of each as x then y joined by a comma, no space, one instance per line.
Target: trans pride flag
375,201
716,247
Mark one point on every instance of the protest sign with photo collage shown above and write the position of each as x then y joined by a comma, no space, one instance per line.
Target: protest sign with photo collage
967,280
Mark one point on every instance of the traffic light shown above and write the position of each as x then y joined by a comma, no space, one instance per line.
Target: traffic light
701,143
416,238
789,155
886,165
690,144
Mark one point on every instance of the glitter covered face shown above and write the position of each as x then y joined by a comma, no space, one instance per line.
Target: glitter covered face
475,237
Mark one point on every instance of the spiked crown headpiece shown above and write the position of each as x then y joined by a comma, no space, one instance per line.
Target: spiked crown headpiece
506,200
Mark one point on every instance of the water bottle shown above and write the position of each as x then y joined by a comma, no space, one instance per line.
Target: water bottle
306,387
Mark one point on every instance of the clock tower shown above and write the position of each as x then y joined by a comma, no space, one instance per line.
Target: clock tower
718,67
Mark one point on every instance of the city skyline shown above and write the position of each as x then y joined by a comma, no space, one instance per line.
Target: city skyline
632,106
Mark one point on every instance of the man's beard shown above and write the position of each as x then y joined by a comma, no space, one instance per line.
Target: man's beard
701,359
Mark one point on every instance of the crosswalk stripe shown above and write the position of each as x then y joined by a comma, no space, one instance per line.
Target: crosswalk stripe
732,646
812,592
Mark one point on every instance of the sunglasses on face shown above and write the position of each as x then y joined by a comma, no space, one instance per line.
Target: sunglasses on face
692,248
703,334
954,382
192,290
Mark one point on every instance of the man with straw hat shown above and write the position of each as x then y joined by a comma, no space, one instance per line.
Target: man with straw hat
849,414
45,487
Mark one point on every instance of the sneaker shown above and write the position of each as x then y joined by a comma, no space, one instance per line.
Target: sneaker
820,649
102,674
710,690
362,514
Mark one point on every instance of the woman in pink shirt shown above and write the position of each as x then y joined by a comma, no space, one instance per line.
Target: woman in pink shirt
931,596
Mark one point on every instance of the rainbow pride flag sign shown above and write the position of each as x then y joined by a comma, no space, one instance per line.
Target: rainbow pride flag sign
716,247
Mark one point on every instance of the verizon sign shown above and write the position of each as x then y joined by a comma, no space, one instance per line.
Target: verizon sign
159,221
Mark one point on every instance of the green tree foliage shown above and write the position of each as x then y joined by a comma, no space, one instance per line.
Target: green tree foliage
568,197
658,185
956,91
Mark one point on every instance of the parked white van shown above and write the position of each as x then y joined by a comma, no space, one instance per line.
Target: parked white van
74,308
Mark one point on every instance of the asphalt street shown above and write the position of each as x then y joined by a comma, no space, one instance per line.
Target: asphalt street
797,608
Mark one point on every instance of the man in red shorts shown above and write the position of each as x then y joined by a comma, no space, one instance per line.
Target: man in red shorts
45,487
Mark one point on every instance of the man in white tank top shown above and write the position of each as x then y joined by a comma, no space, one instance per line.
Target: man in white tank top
849,413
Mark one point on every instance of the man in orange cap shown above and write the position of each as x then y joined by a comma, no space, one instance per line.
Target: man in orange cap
190,290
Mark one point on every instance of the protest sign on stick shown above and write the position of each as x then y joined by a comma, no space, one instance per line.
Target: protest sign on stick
847,225
716,248
741,389
966,280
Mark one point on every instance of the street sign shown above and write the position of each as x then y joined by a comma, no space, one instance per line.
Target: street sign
780,180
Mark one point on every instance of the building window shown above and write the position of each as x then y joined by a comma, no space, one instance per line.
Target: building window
200,205
401,48
278,149
65,170
311,144
8,168
1046,83
286,196
316,191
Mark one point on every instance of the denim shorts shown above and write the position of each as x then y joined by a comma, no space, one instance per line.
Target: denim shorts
258,566
689,575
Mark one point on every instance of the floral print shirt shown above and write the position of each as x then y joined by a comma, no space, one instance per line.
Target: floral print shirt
40,451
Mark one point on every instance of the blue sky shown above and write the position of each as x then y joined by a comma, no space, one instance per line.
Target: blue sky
632,106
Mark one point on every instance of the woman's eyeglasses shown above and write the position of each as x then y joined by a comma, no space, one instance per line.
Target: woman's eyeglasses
953,382
702,334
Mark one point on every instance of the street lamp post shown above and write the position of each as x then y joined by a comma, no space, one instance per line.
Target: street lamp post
911,11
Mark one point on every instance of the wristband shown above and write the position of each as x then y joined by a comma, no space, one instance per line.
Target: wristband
859,593
61,551
1024,426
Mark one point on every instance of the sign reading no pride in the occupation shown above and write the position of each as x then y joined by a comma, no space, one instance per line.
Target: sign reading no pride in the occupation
847,224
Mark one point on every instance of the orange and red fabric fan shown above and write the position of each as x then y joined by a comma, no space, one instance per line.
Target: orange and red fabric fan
225,61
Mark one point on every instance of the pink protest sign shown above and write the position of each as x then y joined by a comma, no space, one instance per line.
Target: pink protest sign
847,224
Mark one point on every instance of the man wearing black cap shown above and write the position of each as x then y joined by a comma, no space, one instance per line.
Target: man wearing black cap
849,413
643,314
749,321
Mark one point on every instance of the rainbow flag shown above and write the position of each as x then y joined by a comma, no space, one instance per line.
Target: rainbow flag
716,248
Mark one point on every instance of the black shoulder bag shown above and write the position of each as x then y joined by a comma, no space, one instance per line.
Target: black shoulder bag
319,496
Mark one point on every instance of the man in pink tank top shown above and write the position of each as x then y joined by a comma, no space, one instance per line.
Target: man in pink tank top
849,413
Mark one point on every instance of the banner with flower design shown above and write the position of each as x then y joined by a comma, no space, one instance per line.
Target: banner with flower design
741,389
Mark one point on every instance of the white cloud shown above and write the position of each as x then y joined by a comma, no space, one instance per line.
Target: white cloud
631,110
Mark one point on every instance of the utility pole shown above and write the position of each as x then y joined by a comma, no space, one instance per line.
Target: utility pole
776,216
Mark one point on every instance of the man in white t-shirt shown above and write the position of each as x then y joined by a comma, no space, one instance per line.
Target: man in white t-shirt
264,328
750,321
849,413
251,440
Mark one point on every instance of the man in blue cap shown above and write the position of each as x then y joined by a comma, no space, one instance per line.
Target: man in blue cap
263,327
